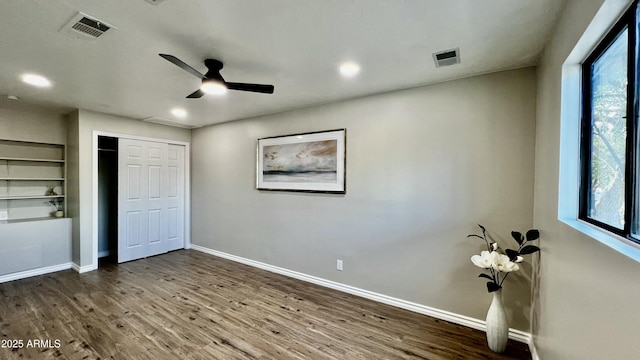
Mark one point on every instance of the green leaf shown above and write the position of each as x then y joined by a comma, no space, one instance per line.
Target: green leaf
529,249
492,286
474,235
512,254
517,237
533,234
485,276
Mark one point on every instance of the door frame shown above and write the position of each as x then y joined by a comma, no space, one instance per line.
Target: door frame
94,175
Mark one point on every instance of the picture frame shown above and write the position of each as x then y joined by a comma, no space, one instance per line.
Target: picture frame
308,162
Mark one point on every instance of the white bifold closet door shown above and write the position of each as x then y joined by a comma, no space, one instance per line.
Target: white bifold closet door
150,198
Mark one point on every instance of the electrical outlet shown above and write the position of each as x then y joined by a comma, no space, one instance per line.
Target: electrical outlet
339,265
4,215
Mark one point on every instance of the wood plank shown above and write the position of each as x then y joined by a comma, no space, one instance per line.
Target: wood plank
190,305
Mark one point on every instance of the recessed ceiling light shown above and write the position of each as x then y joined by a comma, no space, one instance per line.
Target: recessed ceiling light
13,97
36,80
213,87
180,113
349,69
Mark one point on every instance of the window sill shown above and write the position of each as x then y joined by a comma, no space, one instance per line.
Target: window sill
615,242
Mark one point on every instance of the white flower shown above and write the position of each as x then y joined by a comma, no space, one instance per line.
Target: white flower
519,259
494,246
502,263
483,260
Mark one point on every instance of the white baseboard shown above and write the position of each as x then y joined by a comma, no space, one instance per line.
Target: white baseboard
533,350
473,323
34,272
83,269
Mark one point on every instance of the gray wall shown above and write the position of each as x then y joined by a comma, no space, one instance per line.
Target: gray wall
34,244
73,181
424,165
586,301
21,121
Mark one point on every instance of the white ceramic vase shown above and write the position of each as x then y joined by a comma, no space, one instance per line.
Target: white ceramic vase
497,324
59,214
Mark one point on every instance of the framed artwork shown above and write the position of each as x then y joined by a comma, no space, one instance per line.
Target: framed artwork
311,162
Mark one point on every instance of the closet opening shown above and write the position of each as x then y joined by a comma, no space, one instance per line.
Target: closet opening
108,199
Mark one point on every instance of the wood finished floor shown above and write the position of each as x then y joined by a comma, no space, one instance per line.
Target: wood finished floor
190,305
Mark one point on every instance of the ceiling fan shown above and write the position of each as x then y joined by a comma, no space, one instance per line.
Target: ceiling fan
212,81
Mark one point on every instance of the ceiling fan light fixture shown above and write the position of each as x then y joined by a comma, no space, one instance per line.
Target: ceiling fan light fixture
213,87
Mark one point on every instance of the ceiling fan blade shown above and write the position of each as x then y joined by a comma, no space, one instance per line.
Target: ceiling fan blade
196,94
181,64
259,88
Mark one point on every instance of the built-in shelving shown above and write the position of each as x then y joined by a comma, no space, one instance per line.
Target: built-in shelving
17,221
31,197
30,160
32,180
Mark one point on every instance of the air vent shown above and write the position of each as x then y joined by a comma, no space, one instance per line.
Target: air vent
447,57
83,26
157,120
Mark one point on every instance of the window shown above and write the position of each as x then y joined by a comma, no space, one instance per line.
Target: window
610,144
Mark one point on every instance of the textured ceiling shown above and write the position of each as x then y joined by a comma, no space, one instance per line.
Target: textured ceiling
296,45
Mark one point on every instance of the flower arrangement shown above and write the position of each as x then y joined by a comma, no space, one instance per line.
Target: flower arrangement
501,263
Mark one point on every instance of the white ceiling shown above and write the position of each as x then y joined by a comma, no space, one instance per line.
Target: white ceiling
296,45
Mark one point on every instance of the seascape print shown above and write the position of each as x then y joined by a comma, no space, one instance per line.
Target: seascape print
306,162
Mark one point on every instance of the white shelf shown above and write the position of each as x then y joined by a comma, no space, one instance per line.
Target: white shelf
32,179
16,221
24,197
4,158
